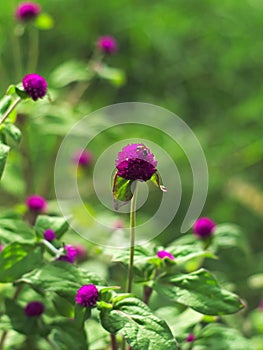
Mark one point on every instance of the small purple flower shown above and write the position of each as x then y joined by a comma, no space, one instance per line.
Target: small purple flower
35,86
81,252
82,158
260,305
27,11
49,235
87,295
164,254
190,338
107,44
34,308
36,203
1,247
71,254
204,227
136,162
118,224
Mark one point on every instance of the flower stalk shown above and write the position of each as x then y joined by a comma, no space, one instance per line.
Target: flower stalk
132,238
10,109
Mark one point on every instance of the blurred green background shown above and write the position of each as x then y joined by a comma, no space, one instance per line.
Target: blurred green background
201,59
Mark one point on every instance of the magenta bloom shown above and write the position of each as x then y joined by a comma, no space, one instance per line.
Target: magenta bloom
49,235
204,227
164,254
190,338
27,11
35,86
1,247
36,203
136,162
82,158
81,253
87,295
34,308
71,254
107,44
118,224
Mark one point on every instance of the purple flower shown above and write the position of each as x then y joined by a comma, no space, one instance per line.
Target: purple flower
82,158
87,295
49,235
81,252
1,247
71,254
34,308
164,254
190,338
107,44
118,224
204,227
27,11
260,305
36,203
136,162
35,86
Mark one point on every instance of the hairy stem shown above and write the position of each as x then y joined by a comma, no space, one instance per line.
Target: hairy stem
33,50
132,239
114,345
10,109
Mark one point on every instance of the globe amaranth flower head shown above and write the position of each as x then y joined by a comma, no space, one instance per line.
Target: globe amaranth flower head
36,203
34,308
164,254
107,44
136,162
27,11
190,338
35,86
49,235
71,254
204,227
87,295
82,158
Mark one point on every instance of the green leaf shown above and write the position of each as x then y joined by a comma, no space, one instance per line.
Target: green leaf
70,72
135,321
200,291
114,75
13,132
18,319
122,190
60,277
81,314
219,337
5,103
15,230
44,21
4,149
17,259
21,93
67,335
155,179
57,224
11,90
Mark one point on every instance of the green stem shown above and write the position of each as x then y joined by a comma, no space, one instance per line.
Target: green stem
132,239
17,56
50,246
147,292
33,50
10,109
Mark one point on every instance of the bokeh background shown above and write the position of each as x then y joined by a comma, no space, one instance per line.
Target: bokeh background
200,59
